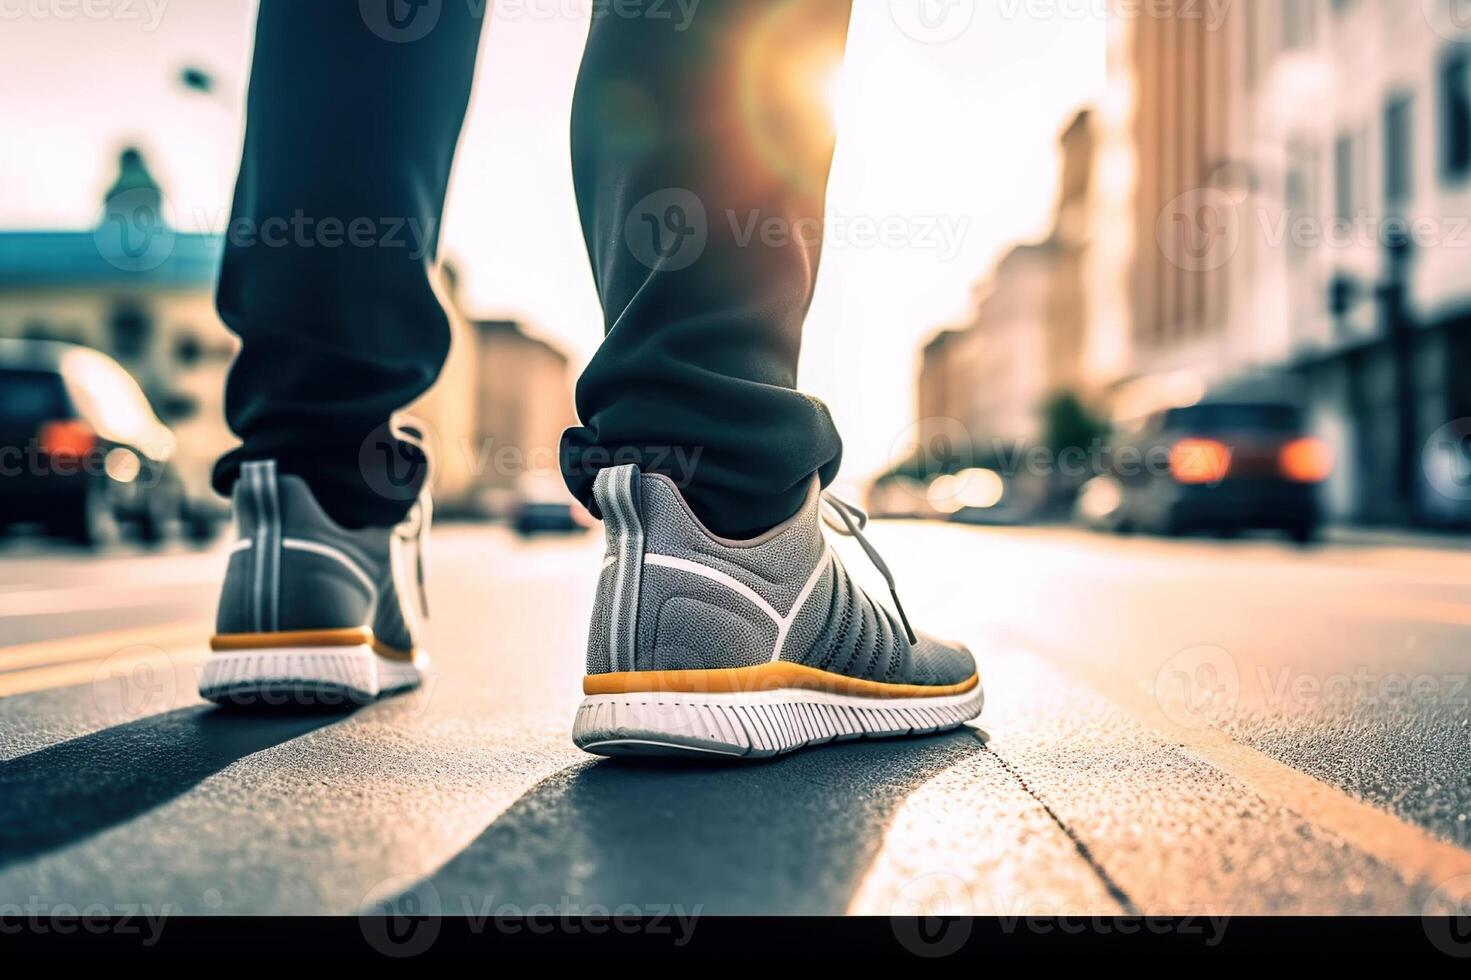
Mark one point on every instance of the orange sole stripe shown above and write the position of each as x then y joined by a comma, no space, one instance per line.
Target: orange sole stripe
352,637
764,677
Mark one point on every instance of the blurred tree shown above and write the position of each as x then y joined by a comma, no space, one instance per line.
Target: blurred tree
1068,423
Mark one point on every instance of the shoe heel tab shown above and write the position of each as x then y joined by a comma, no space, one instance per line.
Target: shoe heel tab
618,493
255,475
613,642
256,503
263,492
256,494
300,504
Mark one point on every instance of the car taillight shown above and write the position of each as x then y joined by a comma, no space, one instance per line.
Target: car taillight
1200,461
1306,460
66,439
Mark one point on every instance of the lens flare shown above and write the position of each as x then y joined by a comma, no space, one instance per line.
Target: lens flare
837,95
789,71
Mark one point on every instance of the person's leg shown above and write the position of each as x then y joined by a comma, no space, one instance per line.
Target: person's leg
701,144
355,111
328,273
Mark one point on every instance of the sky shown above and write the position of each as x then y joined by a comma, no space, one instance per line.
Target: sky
947,140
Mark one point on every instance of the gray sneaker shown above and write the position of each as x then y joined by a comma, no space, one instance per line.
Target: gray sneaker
703,645
311,613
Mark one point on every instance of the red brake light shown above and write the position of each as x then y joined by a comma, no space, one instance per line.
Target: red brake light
1306,460
1200,461
66,439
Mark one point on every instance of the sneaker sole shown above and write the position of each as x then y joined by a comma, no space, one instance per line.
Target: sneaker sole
308,676
754,724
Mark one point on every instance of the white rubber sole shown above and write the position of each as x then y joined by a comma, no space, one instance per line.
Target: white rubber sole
759,724
285,677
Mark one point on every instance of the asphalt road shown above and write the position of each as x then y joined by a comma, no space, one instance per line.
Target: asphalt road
1191,727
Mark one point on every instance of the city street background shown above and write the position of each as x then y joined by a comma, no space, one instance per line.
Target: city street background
1148,327
1144,747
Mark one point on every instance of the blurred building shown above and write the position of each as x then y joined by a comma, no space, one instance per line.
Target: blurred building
497,411
142,291
1294,179
1004,354
940,384
139,290
1024,342
447,411
524,398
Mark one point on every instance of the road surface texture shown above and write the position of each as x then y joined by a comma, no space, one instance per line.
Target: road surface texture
1194,727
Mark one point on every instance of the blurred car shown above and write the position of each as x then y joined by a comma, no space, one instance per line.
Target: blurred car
1216,466
1100,504
898,498
543,504
81,451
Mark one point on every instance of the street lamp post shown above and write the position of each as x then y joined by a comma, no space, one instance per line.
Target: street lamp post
1399,328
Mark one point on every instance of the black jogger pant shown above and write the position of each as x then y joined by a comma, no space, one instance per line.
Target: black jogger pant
700,154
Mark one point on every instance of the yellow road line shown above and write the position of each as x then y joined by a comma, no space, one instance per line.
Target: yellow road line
96,645
85,671
1417,855
1414,611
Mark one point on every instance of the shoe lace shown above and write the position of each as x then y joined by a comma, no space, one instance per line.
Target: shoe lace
415,526
850,522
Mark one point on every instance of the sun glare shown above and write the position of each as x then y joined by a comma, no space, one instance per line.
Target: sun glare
837,95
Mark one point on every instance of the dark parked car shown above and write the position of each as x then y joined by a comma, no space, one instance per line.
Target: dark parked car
81,450
543,505
1221,467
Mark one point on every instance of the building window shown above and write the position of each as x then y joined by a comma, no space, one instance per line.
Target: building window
1295,194
1399,132
1298,24
1344,175
1455,102
131,331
